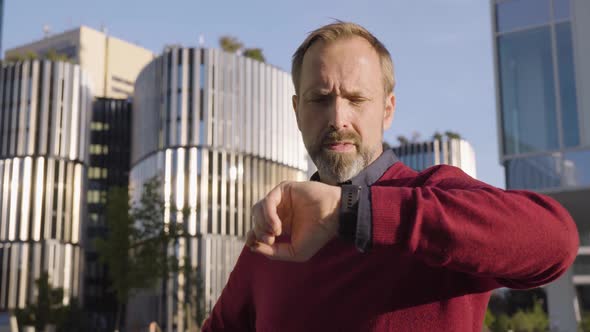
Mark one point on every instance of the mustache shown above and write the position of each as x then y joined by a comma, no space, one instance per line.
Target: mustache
339,136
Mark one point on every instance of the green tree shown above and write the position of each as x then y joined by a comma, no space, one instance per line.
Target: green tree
534,320
230,44
502,323
53,55
195,302
386,146
136,247
489,319
451,134
585,323
49,310
403,140
437,136
114,249
254,53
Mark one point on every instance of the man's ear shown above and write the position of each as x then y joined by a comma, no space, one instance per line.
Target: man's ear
295,101
389,111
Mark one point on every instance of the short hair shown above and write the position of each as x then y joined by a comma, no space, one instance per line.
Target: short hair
341,30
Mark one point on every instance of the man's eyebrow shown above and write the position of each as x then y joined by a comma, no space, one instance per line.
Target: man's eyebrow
316,92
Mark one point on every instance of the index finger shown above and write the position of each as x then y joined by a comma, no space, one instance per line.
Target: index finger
270,206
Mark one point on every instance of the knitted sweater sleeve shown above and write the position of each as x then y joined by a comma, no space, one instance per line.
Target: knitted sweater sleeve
234,309
520,239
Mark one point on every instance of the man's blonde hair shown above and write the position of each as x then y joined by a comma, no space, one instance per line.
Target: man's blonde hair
341,30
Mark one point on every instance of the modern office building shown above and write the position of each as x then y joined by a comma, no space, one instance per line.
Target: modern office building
113,64
45,112
220,132
542,67
450,151
109,165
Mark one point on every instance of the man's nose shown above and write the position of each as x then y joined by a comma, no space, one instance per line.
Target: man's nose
339,114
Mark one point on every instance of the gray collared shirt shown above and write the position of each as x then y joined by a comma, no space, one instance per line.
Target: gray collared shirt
365,179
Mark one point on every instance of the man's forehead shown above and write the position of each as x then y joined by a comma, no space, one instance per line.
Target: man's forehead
351,59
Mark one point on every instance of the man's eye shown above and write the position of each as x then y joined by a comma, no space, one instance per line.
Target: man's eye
320,100
356,101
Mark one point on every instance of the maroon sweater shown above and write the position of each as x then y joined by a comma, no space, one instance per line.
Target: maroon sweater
441,241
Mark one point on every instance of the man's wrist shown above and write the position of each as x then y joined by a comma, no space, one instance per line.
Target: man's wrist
347,221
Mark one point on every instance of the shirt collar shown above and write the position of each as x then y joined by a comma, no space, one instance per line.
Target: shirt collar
371,173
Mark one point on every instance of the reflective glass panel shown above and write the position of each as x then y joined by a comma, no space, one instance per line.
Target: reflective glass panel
533,173
557,170
567,84
561,9
515,14
576,170
527,91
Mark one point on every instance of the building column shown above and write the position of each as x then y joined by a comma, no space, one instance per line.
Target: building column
562,303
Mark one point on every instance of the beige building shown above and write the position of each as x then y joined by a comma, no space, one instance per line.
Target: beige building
113,64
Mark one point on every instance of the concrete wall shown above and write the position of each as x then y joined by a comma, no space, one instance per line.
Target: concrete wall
124,62
92,57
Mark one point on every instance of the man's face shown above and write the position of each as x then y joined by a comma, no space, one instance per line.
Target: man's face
342,108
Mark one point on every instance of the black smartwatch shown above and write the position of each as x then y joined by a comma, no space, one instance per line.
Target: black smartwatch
349,202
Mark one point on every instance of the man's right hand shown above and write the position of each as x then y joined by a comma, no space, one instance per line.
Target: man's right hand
307,211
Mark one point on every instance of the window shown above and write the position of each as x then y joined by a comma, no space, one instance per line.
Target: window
561,9
93,217
533,173
93,196
515,14
99,149
527,91
557,170
567,85
99,126
93,173
576,171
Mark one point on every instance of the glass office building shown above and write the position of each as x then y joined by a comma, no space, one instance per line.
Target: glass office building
542,67
219,131
45,110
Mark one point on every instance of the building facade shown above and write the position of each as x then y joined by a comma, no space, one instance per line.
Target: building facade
219,131
542,67
109,165
450,151
113,64
45,112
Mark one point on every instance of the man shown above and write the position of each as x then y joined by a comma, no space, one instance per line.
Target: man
371,245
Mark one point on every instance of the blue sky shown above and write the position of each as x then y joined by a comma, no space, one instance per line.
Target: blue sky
442,49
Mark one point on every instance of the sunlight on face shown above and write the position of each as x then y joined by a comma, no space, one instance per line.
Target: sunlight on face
342,110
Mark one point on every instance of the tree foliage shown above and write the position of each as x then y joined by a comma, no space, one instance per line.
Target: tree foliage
524,319
254,53
51,55
232,44
136,249
48,309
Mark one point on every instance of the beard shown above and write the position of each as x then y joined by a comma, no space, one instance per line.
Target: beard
338,167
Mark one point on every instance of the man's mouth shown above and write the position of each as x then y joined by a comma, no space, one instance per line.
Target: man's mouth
340,146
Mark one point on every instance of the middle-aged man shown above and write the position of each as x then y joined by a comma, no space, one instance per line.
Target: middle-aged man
369,244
